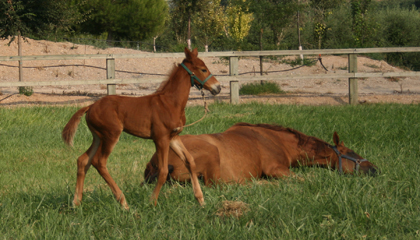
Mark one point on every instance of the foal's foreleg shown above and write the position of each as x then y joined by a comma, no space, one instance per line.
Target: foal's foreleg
83,164
182,152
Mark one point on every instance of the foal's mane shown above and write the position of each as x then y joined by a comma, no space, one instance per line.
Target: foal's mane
171,76
164,83
303,139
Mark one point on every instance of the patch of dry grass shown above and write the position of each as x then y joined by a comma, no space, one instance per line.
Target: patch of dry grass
232,209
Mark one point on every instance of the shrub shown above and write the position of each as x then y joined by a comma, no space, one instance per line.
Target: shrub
27,91
258,88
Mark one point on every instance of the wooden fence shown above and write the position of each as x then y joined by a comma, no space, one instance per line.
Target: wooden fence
233,77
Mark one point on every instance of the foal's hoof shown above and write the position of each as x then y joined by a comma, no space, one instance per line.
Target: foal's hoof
76,204
125,206
153,201
201,201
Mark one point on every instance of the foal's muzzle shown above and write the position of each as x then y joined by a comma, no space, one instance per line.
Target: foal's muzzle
215,89
370,171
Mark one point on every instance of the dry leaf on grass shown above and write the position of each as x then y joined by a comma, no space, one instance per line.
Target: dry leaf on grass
232,208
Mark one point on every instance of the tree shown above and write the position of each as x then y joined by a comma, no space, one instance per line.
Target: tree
209,22
322,9
36,18
400,29
181,12
238,20
276,15
125,19
14,19
362,25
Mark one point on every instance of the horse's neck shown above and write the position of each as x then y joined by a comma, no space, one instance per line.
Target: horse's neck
177,89
316,151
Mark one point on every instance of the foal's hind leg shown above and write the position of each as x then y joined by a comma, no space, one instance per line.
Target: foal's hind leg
83,164
162,151
99,162
182,152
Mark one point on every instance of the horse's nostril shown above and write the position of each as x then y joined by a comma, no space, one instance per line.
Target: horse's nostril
376,171
216,90
373,171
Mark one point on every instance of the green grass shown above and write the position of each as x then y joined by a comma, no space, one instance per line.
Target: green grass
258,88
38,174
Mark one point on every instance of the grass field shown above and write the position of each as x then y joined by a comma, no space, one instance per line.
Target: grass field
38,174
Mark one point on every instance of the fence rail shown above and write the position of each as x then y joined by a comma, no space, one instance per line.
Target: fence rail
233,77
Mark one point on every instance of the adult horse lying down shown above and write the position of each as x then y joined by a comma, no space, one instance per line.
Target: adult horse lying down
247,151
159,116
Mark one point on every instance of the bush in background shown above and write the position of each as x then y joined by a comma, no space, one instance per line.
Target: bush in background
260,88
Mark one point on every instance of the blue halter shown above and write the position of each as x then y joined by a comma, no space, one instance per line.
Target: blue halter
339,155
196,78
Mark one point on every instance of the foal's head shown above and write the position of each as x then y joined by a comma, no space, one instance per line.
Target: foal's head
351,161
200,74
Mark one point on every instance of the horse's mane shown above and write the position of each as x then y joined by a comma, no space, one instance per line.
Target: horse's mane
164,83
302,138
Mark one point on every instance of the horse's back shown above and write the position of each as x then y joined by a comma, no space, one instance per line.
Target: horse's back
130,114
260,149
242,152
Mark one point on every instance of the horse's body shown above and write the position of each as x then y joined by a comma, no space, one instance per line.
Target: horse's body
159,116
247,151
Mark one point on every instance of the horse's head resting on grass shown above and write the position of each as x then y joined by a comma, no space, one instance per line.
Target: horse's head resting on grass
360,164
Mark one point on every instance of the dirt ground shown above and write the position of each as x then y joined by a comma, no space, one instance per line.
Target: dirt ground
302,92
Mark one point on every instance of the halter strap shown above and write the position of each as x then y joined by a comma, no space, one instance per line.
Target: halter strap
196,78
340,165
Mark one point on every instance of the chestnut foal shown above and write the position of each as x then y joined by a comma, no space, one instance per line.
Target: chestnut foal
159,116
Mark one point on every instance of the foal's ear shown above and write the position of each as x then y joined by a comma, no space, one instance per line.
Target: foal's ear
187,53
195,52
190,55
336,139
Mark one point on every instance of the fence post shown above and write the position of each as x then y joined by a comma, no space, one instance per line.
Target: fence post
234,85
353,90
21,89
110,74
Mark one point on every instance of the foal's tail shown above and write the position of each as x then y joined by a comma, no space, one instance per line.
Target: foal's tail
70,129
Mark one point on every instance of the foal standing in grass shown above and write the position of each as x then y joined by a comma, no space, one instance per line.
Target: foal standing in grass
159,116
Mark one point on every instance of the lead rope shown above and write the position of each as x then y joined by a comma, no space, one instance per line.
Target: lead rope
206,110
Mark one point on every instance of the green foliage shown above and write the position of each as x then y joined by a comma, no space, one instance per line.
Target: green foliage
38,172
37,17
298,62
222,25
209,22
359,10
267,14
400,28
14,19
406,4
125,20
180,12
339,31
325,5
238,20
260,88
27,91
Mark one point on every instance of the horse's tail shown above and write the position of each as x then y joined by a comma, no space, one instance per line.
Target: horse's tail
70,129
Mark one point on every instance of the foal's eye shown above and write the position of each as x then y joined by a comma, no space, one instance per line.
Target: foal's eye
204,70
